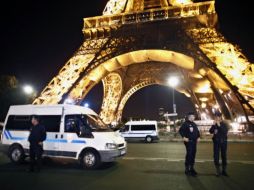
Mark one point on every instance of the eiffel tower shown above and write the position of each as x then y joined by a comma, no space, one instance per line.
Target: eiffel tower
137,43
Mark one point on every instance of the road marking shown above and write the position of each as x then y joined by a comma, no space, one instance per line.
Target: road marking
152,159
244,162
182,160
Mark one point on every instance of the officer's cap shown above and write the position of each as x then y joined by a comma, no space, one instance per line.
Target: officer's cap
190,113
217,114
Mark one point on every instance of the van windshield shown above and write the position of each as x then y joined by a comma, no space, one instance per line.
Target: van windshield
81,123
96,124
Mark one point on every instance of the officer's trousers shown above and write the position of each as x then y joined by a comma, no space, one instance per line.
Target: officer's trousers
220,146
35,156
191,148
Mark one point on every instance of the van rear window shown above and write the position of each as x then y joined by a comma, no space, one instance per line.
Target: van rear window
23,122
51,122
142,127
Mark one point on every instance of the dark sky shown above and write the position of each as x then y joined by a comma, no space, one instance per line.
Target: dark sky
38,37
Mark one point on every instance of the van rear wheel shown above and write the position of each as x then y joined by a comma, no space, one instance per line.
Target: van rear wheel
16,154
149,139
90,159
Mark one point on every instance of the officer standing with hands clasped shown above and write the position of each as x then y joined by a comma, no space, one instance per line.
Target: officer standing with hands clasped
190,133
36,138
219,131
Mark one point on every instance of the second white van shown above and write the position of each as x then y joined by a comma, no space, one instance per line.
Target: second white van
140,130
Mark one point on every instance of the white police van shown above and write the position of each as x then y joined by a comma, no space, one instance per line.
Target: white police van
140,130
72,132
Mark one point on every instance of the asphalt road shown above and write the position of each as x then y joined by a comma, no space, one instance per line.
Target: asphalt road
155,166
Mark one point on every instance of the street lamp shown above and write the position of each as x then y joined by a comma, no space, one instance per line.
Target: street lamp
28,89
68,101
173,82
86,105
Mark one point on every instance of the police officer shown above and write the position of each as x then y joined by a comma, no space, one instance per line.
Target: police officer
190,133
36,138
219,131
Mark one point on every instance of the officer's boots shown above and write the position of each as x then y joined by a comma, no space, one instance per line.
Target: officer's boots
224,171
187,170
218,172
193,171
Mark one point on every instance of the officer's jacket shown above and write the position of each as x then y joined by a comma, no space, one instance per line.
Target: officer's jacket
37,134
189,130
219,132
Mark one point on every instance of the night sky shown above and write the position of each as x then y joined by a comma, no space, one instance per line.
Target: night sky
38,37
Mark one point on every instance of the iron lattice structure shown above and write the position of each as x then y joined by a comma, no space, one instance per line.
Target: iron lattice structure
137,43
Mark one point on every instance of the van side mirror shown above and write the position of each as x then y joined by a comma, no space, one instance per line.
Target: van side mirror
124,128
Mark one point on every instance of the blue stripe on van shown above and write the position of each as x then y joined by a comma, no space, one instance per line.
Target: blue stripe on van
65,141
78,141
9,136
18,138
6,135
56,140
14,138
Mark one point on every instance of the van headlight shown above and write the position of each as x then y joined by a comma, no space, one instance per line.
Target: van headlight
111,146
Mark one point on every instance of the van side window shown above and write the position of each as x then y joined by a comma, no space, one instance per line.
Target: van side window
51,122
142,127
78,124
75,123
20,123
71,124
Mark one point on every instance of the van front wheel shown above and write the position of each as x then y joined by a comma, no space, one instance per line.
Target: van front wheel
16,154
90,159
149,139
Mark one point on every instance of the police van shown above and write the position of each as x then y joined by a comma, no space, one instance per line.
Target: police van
140,130
72,132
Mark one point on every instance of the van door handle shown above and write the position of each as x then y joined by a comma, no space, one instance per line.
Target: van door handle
56,136
61,136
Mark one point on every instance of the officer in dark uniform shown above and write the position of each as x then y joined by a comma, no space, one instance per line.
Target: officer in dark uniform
219,131
190,133
36,138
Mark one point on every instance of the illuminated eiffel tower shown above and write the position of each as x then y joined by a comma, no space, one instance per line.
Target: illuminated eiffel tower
137,43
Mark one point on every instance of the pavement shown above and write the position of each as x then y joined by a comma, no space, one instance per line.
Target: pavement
167,139
155,166
238,138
